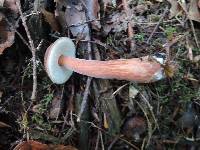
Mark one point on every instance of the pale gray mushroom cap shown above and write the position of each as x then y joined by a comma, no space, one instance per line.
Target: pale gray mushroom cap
63,46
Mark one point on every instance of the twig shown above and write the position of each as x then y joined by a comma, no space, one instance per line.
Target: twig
194,33
97,141
33,51
191,23
20,36
168,45
101,137
82,23
130,29
189,48
85,97
113,142
158,24
150,130
89,79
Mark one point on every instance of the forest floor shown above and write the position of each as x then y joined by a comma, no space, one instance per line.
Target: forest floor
89,113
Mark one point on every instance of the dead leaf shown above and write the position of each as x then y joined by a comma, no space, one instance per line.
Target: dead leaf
105,121
31,145
178,7
93,13
109,2
142,8
72,17
61,147
116,23
196,59
175,8
55,107
75,17
11,4
7,35
50,18
194,13
34,145
60,13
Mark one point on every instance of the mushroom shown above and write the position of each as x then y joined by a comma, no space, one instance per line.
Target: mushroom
60,62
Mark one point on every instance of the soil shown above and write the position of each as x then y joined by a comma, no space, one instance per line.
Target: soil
118,114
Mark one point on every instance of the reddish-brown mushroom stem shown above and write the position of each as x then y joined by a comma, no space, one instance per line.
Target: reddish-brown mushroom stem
137,69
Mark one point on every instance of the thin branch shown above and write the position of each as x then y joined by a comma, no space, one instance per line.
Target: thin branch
85,97
89,79
158,24
33,51
194,33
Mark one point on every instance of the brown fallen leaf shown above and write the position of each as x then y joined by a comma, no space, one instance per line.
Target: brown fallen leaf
31,145
7,33
93,13
142,8
115,23
11,4
175,8
61,147
72,17
50,18
179,7
55,107
7,36
34,145
194,13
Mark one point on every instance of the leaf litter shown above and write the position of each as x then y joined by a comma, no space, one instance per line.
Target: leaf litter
117,114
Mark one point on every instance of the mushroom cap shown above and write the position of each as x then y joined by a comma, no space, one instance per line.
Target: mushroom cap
63,46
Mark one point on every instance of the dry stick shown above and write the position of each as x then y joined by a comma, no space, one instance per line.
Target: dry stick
33,51
192,26
101,137
113,142
85,98
97,141
158,24
89,79
20,36
194,33
130,29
